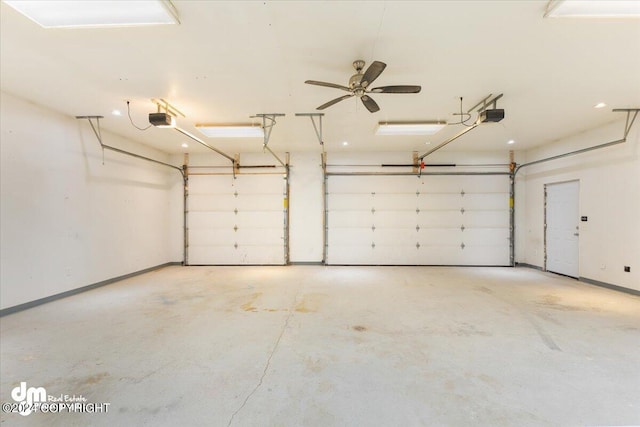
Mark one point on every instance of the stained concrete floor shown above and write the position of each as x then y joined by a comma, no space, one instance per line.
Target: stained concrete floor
333,346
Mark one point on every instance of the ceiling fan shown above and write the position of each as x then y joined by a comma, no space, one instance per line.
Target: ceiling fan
359,86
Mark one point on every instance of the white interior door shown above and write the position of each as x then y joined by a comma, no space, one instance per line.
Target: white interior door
236,221
405,220
562,228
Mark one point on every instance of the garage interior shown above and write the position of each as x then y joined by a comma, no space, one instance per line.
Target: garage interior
319,271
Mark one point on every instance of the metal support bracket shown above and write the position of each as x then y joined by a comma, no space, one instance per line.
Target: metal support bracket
630,120
201,142
627,127
318,127
97,131
267,128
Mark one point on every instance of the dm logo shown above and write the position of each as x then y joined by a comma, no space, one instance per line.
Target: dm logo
29,398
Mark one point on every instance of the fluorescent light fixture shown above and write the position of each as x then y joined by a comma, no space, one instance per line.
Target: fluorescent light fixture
600,105
409,128
99,13
231,131
511,141
116,112
345,143
185,145
593,9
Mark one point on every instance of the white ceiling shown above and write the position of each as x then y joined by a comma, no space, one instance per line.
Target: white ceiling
229,60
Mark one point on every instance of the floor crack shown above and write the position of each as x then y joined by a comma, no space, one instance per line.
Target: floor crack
268,363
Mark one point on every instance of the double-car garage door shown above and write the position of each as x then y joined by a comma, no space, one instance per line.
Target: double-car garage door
406,220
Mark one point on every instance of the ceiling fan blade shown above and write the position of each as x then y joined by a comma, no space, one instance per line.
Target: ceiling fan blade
334,101
333,85
375,69
397,89
370,104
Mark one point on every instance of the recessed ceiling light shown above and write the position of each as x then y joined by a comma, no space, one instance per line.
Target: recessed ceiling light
185,145
592,9
116,112
427,143
231,131
409,128
52,14
600,105
345,143
511,141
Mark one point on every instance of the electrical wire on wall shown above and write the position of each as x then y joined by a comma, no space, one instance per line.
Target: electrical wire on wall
131,120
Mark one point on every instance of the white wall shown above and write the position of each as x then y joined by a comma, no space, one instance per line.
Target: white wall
67,220
306,208
609,197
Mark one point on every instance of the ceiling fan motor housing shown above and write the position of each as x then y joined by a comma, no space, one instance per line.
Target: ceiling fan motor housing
354,83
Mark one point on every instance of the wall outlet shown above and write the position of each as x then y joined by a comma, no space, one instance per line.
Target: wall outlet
627,269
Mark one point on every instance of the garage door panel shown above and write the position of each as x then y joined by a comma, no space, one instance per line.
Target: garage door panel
209,202
348,218
211,185
351,202
398,201
229,255
252,219
208,219
392,218
352,254
394,255
439,255
484,201
350,236
484,255
442,218
211,236
439,236
260,202
488,236
493,219
482,184
259,236
439,201
395,237
371,184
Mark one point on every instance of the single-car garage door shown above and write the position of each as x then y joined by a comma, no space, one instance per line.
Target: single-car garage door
236,221
406,220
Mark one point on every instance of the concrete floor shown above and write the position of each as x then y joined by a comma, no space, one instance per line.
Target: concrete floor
333,346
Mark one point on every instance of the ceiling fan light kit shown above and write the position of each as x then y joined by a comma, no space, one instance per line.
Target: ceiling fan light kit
359,85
